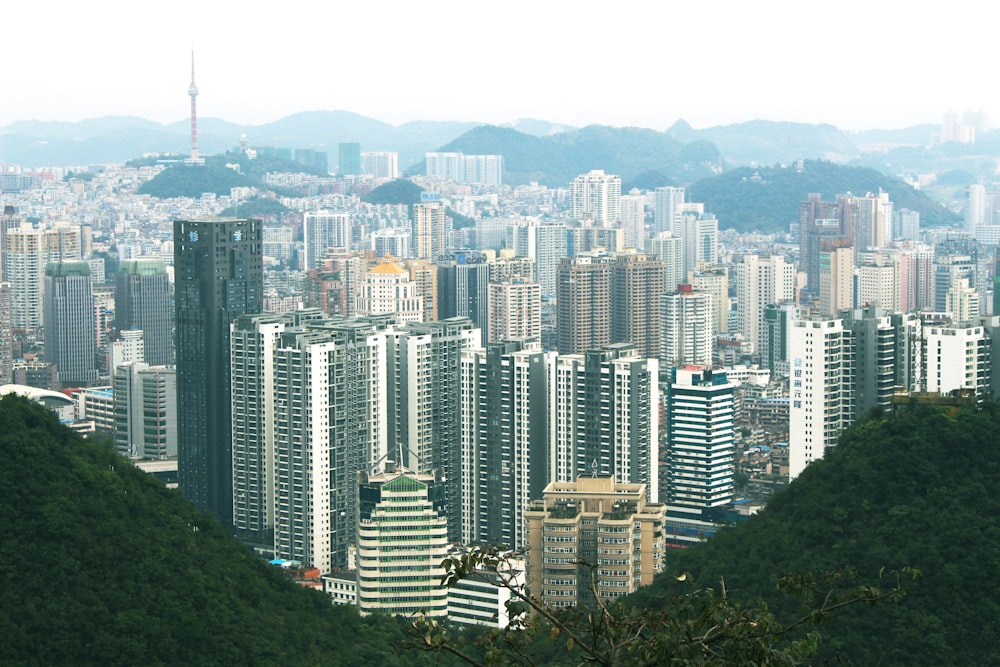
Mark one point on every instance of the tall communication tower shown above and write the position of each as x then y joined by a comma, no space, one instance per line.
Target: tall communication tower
193,92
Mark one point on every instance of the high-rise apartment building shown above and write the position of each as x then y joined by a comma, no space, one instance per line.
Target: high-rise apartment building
424,399
907,225
380,164
840,369
583,303
402,537
760,281
957,357
688,331
878,282
27,252
546,244
818,411
836,277
424,276
593,533
634,219
606,412
431,225
947,268
506,436
9,219
145,409
778,318
6,334
322,230
669,249
329,425
700,234
393,241
515,310
70,333
596,196
871,223
975,207
130,347
218,274
637,283
701,451
667,206
713,280
143,300
463,287
461,168
253,341
962,301
449,166
818,221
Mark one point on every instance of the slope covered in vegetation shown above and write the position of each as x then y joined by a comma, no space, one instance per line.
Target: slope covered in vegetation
917,489
557,159
100,564
767,198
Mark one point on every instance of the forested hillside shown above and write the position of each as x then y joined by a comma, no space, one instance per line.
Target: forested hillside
100,564
918,489
767,198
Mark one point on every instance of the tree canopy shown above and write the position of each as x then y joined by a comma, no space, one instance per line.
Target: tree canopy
100,564
915,489
767,198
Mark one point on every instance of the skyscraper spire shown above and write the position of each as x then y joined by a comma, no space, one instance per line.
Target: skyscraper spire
193,92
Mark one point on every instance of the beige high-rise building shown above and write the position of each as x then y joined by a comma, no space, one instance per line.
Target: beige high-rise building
593,534
637,283
515,310
583,303
424,275
962,301
430,231
27,251
836,277
714,280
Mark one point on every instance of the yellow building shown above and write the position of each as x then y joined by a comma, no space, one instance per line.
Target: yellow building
592,535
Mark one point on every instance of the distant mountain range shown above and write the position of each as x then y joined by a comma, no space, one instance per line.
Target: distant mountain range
119,138
533,149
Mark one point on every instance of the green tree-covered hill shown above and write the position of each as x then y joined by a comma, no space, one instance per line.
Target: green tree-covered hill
918,489
556,159
767,199
219,175
399,191
100,564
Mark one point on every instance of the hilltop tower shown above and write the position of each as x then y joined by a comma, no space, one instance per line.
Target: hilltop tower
193,92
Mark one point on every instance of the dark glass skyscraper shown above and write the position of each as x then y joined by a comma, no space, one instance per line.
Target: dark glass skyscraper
219,275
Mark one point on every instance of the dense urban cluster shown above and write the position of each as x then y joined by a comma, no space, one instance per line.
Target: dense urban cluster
581,376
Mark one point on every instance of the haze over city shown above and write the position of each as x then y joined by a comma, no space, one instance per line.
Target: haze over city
857,66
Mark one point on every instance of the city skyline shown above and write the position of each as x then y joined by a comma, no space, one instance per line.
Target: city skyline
695,63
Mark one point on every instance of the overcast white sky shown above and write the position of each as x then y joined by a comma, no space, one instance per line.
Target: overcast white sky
857,65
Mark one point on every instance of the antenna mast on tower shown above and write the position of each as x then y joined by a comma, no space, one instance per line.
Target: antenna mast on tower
193,92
